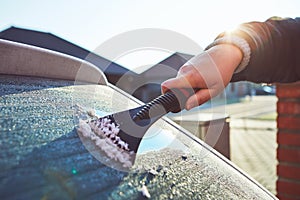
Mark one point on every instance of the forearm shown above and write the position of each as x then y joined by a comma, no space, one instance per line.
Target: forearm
259,52
275,51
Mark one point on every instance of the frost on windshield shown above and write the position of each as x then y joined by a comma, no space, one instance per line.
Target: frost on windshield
43,157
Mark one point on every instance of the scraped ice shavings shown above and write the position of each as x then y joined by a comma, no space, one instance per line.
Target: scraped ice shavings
145,192
104,133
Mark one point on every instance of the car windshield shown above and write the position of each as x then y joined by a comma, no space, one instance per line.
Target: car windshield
42,156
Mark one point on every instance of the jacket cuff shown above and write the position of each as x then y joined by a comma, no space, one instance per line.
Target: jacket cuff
239,42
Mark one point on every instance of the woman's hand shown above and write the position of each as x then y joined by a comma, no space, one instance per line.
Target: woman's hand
208,73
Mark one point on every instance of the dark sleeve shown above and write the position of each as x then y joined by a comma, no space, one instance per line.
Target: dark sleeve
275,51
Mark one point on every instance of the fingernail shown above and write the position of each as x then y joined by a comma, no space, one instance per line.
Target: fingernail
189,106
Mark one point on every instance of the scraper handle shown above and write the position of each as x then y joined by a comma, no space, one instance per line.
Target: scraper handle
172,101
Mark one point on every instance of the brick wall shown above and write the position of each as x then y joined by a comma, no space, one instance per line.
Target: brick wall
288,138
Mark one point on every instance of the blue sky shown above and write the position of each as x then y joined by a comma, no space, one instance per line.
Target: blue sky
90,23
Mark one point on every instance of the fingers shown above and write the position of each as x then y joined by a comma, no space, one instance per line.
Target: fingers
178,82
188,77
199,98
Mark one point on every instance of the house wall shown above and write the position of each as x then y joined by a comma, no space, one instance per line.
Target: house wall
288,138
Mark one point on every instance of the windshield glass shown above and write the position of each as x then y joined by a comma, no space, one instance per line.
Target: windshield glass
42,156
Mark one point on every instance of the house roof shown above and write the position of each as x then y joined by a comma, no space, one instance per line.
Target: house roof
55,43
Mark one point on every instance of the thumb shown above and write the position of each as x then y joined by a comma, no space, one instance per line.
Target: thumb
178,82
